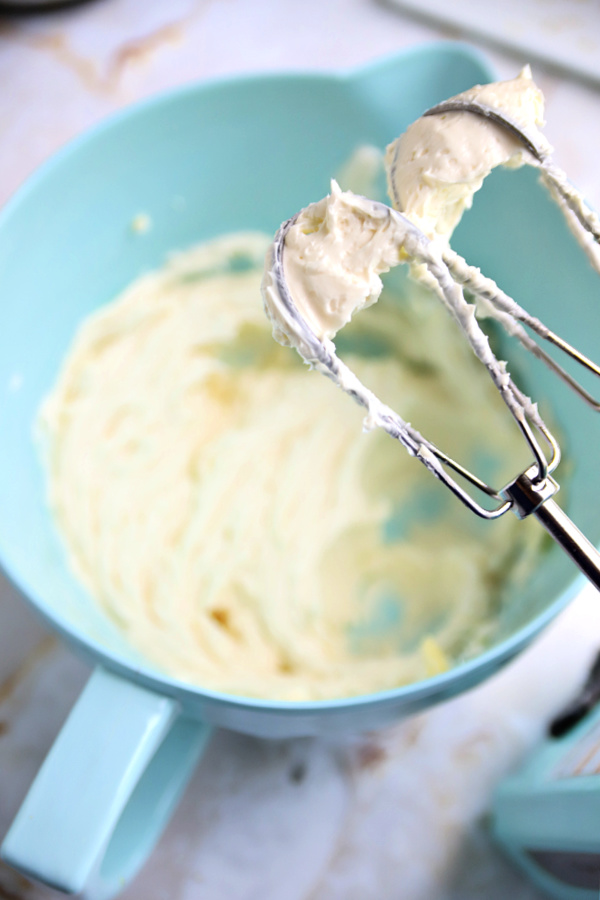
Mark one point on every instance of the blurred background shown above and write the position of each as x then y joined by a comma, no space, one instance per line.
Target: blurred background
395,814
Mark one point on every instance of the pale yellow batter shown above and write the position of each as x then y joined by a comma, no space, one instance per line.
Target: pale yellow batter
221,504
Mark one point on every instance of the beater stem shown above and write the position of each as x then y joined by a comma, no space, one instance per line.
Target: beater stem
529,498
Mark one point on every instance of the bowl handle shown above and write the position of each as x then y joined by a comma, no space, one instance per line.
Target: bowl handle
106,789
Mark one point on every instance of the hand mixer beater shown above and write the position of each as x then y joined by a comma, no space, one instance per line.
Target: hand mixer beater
371,238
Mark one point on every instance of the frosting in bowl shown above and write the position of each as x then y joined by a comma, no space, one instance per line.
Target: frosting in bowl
222,506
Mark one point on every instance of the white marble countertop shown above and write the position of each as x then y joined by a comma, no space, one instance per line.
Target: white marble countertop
397,814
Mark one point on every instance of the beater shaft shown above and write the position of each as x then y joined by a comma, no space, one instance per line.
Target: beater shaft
533,497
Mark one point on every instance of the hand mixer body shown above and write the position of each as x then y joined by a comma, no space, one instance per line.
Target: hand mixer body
546,815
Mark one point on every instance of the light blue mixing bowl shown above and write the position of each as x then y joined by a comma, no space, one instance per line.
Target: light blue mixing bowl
204,160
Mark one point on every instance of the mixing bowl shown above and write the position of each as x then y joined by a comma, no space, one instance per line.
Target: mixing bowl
202,161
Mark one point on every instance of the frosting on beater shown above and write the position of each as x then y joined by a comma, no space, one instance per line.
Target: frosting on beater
336,250
440,161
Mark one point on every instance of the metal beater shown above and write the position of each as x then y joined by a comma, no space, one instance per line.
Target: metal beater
532,491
